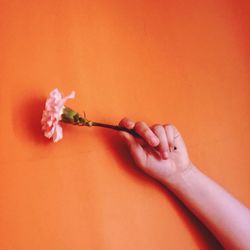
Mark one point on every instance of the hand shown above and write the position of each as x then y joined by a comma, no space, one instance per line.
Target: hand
155,154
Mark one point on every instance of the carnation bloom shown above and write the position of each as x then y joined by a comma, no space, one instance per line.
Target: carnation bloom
52,114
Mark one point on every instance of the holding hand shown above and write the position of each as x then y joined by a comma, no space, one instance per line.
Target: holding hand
156,154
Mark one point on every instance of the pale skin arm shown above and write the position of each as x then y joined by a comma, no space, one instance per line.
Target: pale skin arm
226,217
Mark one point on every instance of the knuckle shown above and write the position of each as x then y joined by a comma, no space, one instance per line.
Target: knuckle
127,119
157,128
169,125
139,125
170,128
123,120
126,122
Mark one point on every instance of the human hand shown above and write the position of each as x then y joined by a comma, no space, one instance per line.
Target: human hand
162,152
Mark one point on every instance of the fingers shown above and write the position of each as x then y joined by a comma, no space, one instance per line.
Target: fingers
161,137
163,146
172,135
169,129
147,134
129,124
142,129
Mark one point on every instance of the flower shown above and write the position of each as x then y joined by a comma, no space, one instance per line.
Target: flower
56,112
52,114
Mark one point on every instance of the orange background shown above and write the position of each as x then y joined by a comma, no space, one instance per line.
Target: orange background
180,62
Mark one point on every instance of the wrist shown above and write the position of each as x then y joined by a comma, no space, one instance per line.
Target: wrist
181,178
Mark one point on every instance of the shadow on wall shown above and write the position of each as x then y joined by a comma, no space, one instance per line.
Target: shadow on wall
203,237
29,112
241,14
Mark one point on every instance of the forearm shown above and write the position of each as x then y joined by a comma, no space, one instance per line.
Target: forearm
224,215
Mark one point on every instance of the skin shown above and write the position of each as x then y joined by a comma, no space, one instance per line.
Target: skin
226,217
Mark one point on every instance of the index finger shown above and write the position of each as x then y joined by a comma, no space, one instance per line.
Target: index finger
127,123
147,134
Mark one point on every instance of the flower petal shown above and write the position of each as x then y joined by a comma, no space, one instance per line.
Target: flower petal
58,134
70,96
52,114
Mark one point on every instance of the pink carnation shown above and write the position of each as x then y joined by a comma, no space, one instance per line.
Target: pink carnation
52,114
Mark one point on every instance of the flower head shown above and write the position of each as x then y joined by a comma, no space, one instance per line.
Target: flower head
52,114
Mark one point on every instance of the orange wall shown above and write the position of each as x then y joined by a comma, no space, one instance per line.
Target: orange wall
180,62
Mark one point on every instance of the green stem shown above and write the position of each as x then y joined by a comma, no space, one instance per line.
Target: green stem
118,128
72,117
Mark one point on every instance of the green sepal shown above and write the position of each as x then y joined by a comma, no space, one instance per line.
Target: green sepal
69,115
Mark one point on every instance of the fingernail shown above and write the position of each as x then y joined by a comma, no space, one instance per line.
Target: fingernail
165,155
130,124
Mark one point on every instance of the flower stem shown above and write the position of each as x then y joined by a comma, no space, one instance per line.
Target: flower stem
118,128
72,117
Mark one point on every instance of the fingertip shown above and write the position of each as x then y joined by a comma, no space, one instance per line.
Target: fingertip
165,155
127,123
121,123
